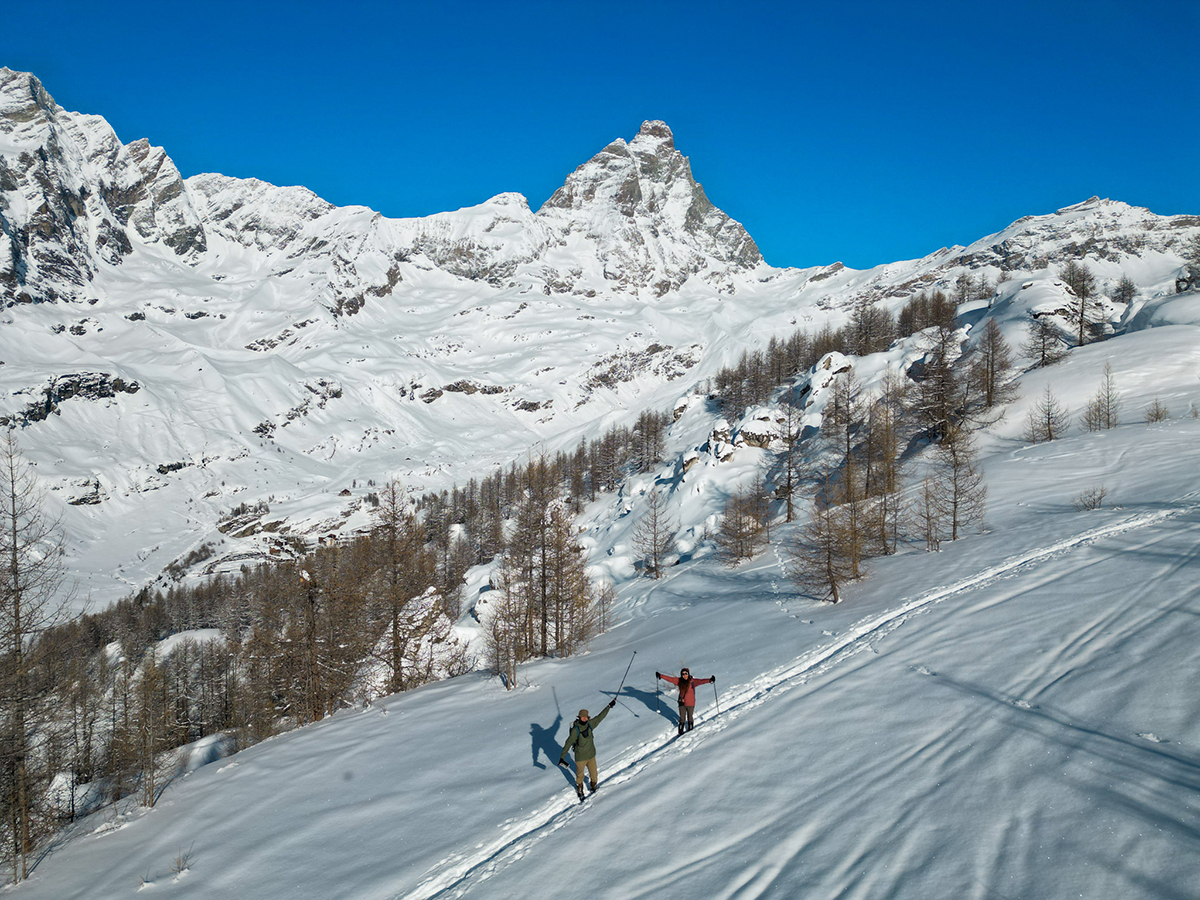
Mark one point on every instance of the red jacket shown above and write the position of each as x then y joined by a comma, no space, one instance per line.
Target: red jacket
688,697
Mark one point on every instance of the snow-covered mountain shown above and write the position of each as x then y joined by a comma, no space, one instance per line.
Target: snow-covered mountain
173,348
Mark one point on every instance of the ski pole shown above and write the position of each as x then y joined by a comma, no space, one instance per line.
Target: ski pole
656,693
626,675
715,697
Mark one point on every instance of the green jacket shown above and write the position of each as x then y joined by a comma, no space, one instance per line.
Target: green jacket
581,738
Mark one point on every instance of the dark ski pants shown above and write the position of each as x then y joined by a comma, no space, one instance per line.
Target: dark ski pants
580,765
685,717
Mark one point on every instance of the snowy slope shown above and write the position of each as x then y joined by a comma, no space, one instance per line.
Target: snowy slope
175,348
1014,716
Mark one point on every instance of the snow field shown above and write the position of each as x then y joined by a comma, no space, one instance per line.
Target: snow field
1025,727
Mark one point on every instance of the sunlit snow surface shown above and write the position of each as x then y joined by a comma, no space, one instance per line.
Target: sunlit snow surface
1015,716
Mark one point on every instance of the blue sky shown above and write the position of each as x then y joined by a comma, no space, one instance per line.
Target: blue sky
865,132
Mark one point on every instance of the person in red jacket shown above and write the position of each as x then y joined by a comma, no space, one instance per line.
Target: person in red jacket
687,694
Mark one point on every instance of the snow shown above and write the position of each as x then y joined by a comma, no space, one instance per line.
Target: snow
1013,716
1177,309
167,646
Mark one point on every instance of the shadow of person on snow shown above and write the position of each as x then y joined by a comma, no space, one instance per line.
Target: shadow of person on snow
666,702
545,740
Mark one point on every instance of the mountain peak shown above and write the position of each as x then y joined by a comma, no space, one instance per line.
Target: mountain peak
623,172
17,83
22,100
657,132
659,227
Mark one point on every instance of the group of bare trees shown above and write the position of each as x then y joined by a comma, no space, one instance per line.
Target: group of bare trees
654,537
856,506
870,329
1048,419
477,511
745,523
543,602
859,505
852,471
852,474
1085,308
31,576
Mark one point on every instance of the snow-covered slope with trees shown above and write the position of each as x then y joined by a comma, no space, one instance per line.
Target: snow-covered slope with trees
1014,715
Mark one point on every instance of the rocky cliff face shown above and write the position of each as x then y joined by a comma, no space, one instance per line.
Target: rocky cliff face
70,192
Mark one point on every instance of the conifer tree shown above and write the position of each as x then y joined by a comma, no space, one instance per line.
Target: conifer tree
1124,291
504,631
1047,420
406,570
742,532
1079,278
871,329
654,537
940,395
1045,345
962,493
819,563
1103,411
1157,412
791,461
991,368
883,478
648,439
928,513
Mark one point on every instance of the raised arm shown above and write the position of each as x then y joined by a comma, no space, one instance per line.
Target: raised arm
596,720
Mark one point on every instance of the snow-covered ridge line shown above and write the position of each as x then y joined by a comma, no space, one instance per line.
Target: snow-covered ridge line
459,872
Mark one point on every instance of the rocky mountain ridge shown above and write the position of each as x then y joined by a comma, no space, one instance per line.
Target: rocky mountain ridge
285,351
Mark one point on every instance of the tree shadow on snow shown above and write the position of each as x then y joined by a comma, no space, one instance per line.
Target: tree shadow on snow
1169,774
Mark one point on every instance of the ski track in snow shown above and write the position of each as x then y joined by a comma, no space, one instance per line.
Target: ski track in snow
458,873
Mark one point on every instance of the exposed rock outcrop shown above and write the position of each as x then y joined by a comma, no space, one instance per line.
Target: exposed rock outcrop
68,192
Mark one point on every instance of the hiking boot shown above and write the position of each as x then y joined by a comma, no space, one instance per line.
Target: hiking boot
592,787
579,790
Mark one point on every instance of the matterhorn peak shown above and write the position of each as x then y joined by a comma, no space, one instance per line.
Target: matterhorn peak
654,133
659,228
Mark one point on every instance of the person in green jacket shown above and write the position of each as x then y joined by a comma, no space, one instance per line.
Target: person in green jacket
581,739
